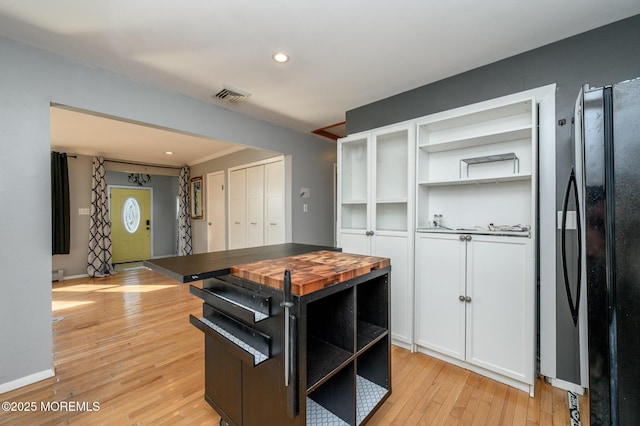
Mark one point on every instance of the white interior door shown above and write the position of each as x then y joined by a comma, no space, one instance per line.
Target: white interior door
274,202
237,209
215,212
255,206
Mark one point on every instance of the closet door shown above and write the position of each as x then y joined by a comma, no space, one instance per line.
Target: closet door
237,209
274,202
255,206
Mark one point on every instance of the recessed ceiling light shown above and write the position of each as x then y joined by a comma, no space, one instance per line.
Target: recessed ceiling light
281,57
168,152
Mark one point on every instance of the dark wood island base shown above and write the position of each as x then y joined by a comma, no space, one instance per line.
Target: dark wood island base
326,362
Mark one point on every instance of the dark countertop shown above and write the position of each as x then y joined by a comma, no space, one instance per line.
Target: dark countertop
196,267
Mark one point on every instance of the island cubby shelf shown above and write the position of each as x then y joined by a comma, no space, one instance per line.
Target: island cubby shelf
322,360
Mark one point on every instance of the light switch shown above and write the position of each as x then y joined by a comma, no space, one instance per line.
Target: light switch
305,207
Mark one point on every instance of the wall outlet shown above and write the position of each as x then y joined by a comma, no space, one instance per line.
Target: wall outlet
84,211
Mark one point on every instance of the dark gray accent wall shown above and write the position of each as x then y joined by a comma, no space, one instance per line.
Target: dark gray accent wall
599,57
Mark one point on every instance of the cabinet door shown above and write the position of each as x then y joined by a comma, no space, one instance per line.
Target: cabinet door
397,248
353,184
255,206
357,243
274,202
500,314
440,281
237,209
391,171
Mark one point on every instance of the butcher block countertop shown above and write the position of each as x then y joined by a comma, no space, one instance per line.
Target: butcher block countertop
312,267
195,267
310,271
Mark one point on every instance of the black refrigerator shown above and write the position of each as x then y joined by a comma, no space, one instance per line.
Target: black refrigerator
606,187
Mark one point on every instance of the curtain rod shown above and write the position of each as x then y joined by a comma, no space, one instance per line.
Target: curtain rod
143,164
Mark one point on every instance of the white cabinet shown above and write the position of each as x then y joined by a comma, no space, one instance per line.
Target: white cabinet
474,302
375,207
256,204
476,221
477,166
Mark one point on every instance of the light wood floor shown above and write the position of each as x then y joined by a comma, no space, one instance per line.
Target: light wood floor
125,342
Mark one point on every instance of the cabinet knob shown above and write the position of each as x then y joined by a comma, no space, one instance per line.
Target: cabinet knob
462,238
467,299
468,237
461,298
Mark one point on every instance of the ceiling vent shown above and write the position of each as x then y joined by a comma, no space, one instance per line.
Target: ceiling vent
231,94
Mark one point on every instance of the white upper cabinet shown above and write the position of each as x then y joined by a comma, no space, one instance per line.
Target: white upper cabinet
375,187
477,167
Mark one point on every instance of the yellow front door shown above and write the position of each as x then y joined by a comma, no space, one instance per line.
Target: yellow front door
130,224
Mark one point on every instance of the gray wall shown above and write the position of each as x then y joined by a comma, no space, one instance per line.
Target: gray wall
30,80
603,56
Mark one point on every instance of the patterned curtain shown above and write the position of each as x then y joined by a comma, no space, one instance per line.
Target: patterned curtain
184,219
99,260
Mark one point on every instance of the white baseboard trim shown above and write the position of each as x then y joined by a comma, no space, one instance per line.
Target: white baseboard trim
27,380
568,386
71,277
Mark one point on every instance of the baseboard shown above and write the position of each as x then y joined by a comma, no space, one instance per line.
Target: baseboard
27,380
71,277
568,386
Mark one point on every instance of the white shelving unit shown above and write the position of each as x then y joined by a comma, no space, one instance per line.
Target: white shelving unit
474,286
477,192
375,210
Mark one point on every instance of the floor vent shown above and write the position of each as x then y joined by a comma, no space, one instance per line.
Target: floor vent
233,95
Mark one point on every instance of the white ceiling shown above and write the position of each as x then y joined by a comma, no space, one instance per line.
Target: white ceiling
344,54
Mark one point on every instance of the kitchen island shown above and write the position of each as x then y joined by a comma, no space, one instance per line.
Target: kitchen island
306,346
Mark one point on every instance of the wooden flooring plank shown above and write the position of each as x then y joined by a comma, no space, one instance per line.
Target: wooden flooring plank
125,342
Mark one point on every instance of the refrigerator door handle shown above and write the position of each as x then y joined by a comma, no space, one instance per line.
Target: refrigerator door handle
573,306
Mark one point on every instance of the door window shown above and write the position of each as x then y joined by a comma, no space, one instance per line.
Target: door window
131,215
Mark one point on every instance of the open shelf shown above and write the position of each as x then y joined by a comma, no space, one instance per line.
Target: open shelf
337,398
368,396
368,334
372,378
323,359
478,139
373,311
477,181
330,335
